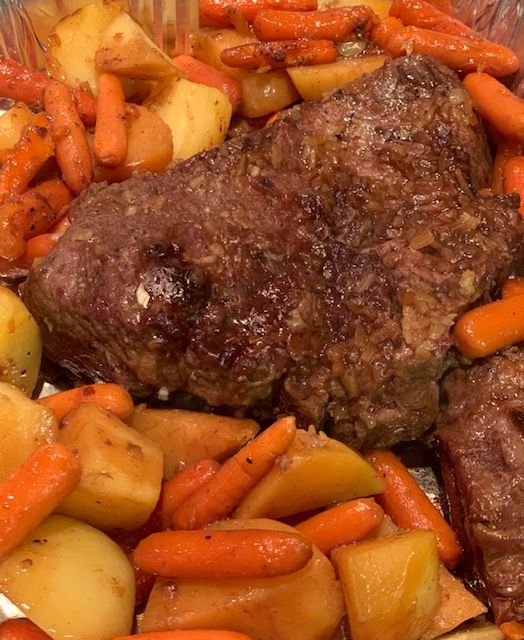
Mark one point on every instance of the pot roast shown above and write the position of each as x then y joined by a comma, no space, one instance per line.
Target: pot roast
315,266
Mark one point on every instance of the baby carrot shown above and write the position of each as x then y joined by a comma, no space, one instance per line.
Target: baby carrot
176,490
33,491
234,553
446,6
514,179
216,13
512,630
419,13
502,108
343,524
330,24
85,105
218,497
505,150
281,54
490,327
382,32
23,162
21,629
187,634
72,151
197,71
109,396
110,143
513,287
39,246
409,507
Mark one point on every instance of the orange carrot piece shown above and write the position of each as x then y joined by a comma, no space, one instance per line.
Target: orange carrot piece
72,152
178,489
512,630
502,108
197,71
218,497
21,629
505,151
484,330
22,163
188,634
85,105
382,32
419,13
39,246
279,55
110,143
235,553
462,53
514,179
330,24
446,6
32,213
217,13
273,118
343,524
33,491
409,507
108,395
512,287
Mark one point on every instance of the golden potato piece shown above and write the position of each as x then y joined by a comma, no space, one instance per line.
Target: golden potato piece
11,124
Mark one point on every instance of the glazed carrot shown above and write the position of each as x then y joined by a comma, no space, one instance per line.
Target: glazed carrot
490,327
176,490
384,30
33,491
109,396
85,105
234,553
23,162
512,287
197,71
110,143
72,151
462,53
514,179
189,634
330,24
32,213
216,13
409,507
39,246
343,524
505,151
21,629
512,630
218,497
502,108
446,6
419,13
278,55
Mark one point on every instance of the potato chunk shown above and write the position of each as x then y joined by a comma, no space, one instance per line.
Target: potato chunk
24,427
20,343
307,604
189,436
314,472
121,470
391,585
11,124
71,580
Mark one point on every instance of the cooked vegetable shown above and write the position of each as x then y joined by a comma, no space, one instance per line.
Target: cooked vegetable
293,485
390,585
190,436
33,491
20,343
190,634
217,13
331,24
348,522
513,287
419,13
121,470
380,7
39,246
279,54
21,629
218,497
514,179
505,151
12,123
513,630
408,505
109,396
226,554
72,581
110,142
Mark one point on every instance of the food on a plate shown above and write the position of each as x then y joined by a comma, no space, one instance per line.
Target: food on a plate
110,140
71,580
514,179
280,54
264,273
111,397
11,124
482,457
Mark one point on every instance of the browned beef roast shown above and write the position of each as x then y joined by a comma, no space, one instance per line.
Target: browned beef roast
481,439
313,266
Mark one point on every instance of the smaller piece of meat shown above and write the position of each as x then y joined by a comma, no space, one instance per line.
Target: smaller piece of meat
481,442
